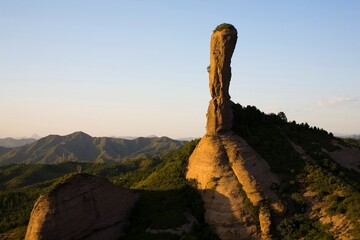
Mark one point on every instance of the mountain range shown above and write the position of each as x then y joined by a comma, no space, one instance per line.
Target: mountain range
80,146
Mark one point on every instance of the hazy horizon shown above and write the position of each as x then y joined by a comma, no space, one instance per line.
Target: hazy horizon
36,136
138,68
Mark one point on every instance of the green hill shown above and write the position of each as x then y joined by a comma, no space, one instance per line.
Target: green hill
79,146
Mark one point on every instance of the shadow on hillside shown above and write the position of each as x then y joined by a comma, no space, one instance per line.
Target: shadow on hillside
159,210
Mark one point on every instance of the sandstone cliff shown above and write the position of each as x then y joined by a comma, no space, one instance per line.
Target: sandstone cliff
83,207
232,177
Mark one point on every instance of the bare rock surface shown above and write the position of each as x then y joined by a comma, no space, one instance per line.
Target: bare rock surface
223,200
219,115
224,165
83,207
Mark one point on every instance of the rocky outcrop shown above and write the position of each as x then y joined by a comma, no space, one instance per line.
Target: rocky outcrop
231,175
219,115
233,179
83,207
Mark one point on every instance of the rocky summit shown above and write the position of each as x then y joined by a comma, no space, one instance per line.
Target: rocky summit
81,207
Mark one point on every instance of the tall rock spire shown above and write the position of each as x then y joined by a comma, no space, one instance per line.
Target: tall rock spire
219,115
227,170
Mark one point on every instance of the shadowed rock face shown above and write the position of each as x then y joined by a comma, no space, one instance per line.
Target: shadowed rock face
85,207
219,115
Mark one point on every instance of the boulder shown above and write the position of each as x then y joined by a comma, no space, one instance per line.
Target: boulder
82,207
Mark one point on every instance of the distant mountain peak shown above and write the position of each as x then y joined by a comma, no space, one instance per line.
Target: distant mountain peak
79,134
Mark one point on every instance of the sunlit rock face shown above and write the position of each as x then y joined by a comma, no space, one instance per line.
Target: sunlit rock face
219,115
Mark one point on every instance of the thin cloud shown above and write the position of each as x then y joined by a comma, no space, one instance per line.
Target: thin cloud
334,101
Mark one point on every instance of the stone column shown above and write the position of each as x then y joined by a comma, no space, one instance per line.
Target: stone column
219,115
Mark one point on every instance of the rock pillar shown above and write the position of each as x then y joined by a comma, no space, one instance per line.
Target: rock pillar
219,114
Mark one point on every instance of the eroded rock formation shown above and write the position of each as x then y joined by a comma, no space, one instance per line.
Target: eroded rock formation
232,177
84,207
219,115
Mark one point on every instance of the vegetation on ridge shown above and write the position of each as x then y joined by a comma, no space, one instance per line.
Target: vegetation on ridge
223,26
296,153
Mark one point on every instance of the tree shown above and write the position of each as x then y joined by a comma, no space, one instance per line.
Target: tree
282,116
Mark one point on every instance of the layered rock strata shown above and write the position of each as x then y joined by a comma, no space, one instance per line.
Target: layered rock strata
232,177
84,207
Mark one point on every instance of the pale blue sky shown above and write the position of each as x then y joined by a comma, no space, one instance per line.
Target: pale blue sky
120,68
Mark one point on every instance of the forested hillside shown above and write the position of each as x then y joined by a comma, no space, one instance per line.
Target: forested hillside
321,193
